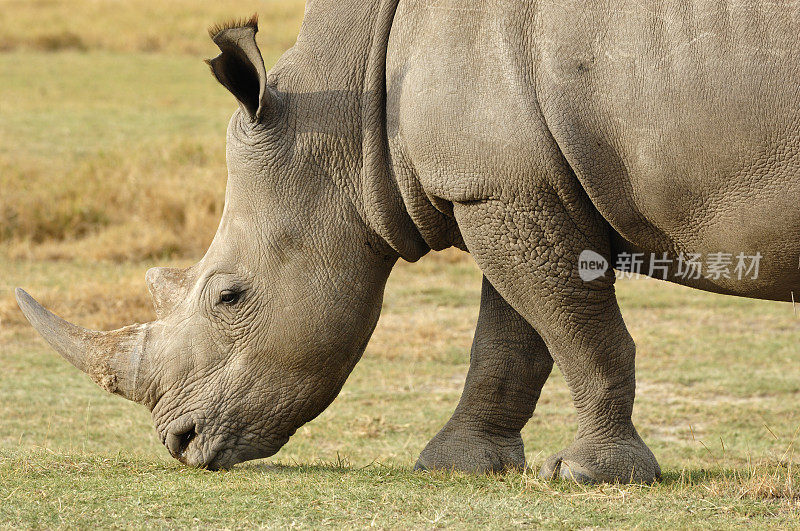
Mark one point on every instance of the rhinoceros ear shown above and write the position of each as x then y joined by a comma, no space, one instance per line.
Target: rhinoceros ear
240,67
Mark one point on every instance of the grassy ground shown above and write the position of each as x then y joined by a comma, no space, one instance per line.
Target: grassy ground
718,386
86,133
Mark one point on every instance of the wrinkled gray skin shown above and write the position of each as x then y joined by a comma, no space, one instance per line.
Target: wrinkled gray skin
523,132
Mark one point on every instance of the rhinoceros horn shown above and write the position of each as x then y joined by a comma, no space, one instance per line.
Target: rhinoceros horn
112,359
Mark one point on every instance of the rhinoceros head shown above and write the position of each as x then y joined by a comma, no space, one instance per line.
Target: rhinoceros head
259,336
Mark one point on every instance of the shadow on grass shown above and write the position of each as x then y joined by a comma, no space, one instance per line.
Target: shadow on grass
341,466
698,476
669,479
762,481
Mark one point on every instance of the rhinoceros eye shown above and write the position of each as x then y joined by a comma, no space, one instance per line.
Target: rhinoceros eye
230,297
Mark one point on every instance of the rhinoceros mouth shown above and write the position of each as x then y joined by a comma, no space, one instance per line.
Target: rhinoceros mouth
193,444
226,458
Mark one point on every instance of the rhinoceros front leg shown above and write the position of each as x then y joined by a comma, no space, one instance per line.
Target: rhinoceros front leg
509,364
528,248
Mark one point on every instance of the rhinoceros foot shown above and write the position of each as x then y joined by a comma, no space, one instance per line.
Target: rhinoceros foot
464,449
591,461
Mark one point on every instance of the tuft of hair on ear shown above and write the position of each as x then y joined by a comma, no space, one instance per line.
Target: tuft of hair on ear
251,22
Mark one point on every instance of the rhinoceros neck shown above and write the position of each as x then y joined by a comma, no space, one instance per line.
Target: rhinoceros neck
336,77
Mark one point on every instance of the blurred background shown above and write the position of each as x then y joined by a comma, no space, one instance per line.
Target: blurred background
112,137
112,160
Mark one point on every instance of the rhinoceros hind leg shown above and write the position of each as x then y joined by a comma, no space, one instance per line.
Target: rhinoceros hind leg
530,249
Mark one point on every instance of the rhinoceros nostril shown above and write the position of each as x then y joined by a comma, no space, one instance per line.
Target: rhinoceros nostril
184,439
178,442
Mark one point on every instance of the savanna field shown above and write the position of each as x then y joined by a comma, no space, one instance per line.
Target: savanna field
112,160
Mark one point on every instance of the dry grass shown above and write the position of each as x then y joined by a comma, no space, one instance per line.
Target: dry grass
173,27
112,154
130,303
154,202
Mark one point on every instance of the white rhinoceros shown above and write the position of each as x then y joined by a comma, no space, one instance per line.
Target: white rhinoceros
529,133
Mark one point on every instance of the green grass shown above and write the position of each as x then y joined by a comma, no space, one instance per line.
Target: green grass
112,161
76,105
120,491
110,155
718,386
